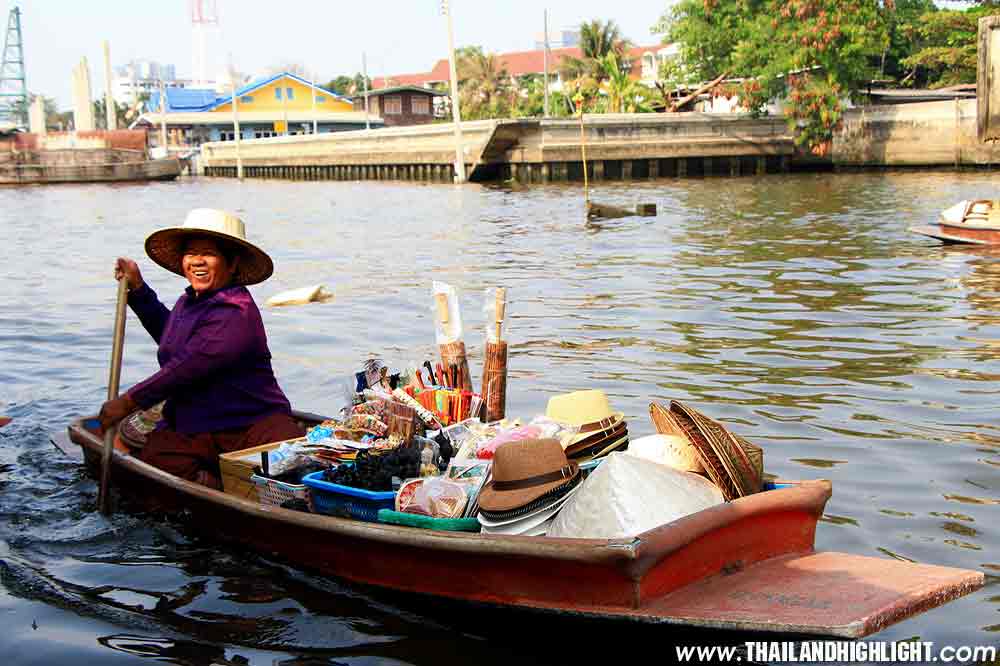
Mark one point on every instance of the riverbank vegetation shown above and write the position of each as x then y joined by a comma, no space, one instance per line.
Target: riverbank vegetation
805,58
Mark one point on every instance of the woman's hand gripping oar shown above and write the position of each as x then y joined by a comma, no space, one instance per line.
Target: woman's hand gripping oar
103,501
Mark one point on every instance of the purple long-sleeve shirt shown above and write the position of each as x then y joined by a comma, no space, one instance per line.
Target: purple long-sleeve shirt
215,367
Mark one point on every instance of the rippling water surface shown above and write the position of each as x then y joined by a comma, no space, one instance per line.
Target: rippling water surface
798,309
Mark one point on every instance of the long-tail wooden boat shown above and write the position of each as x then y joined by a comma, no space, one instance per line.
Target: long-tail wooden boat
975,221
748,565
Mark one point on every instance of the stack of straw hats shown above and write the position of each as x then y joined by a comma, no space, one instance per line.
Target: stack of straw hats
733,463
532,479
602,430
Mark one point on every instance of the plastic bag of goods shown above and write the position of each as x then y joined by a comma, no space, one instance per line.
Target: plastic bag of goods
626,496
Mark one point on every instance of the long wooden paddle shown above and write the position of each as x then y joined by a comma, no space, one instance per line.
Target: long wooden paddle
103,501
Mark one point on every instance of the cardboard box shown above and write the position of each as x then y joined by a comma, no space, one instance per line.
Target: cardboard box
237,466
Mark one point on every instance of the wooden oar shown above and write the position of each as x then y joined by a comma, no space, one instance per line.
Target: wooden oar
103,501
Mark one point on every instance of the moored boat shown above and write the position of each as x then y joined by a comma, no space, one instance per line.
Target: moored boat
747,565
974,221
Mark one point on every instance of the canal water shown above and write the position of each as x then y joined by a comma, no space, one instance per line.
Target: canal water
796,308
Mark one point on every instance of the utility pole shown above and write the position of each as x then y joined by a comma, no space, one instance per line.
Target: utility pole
110,115
163,117
455,113
364,83
315,121
236,125
545,60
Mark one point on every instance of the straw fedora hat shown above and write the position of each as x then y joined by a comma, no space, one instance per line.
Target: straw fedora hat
733,463
524,472
166,246
589,410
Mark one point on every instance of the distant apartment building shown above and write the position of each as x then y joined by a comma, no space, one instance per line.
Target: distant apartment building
139,77
558,39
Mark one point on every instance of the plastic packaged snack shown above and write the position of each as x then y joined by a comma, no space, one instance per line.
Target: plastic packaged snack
447,316
434,496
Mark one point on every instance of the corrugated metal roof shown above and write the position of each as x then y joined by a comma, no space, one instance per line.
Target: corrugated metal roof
201,99
184,99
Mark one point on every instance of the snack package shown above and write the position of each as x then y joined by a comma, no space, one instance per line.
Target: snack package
435,497
447,316
539,428
495,313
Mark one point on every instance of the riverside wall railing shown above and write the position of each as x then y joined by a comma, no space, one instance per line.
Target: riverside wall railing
626,146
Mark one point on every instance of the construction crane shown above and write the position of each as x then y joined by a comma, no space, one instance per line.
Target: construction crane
13,88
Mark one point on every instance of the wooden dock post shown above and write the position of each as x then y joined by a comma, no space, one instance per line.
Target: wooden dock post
626,169
654,169
598,173
682,167
761,165
734,166
545,171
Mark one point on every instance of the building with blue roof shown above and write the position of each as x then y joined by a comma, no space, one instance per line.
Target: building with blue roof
273,106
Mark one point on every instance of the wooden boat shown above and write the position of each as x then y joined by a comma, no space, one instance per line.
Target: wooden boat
101,165
748,565
975,221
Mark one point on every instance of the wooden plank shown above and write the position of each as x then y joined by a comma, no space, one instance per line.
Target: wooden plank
988,79
835,594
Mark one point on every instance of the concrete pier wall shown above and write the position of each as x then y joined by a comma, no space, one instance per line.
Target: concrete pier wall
924,134
618,147
530,150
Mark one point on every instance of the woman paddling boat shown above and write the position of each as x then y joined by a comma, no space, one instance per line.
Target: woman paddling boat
215,366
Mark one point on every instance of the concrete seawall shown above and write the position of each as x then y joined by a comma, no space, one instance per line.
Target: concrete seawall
618,146
529,150
924,134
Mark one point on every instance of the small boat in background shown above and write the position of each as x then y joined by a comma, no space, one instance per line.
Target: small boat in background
975,221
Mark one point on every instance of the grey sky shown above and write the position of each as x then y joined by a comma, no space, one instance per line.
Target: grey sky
399,36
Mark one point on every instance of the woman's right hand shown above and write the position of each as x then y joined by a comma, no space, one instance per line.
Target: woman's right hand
128,269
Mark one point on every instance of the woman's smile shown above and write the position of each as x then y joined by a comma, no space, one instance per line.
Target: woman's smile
205,267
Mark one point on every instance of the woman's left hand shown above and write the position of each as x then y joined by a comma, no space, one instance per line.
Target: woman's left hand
115,410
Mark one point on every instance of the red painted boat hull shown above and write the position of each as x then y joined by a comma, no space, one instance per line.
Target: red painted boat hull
959,234
746,565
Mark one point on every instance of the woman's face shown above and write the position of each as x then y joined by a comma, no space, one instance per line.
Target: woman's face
205,267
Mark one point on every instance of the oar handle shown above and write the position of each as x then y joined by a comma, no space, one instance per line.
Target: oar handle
117,345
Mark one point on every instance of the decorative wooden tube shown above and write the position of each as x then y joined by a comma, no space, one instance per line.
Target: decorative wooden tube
494,387
453,353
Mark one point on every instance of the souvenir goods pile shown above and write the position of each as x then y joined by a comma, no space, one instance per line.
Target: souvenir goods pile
419,446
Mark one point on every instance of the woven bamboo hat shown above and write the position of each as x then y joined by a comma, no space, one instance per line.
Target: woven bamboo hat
588,410
166,246
525,471
733,463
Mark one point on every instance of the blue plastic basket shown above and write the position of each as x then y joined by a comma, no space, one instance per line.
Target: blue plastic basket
334,499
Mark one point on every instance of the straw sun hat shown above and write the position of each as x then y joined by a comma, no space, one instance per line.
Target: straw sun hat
524,472
589,410
166,246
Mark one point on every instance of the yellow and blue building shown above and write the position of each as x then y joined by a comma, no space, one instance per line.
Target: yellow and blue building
275,106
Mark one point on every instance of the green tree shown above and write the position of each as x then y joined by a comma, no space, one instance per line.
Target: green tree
121,114
945,46
902,27
814,52
597,39
348,85
485,89
623,93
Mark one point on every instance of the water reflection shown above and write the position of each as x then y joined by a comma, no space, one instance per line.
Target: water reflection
797,309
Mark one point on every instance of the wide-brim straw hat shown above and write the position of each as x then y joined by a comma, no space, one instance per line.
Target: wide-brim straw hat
166,246
733,463
524,471
588,410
